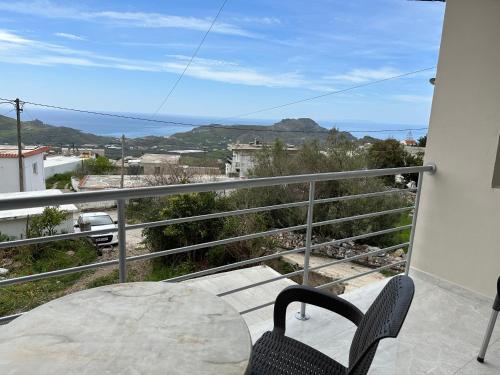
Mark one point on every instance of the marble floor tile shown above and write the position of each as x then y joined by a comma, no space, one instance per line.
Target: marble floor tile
441,335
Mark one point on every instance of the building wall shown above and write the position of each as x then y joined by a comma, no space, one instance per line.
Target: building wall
70,166
10,175
34,179
459,219
16,228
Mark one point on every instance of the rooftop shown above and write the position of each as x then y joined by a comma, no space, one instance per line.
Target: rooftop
99,182
256,146
24,212
11,152
52,161
160,158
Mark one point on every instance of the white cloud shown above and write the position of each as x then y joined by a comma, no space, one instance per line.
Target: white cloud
413,98
48,9
18,50
365,75
69,36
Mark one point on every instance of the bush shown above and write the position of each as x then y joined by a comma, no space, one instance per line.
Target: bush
99,165
60,180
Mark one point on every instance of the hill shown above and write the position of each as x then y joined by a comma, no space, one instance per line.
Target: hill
37,133
214,136
292,131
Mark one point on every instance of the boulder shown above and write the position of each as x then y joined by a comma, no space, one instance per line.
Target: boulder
3,271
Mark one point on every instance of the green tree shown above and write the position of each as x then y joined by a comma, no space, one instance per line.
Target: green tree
422,141
184,234
99,165
46,223
390,153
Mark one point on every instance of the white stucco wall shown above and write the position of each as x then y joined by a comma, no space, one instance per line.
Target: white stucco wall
10,176
16,228
61,164
459,219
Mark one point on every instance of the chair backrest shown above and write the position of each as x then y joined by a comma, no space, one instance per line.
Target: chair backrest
383,319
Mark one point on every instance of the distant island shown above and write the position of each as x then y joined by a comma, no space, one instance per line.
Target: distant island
206,137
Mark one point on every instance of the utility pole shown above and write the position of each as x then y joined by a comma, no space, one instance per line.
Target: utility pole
19,145
123,162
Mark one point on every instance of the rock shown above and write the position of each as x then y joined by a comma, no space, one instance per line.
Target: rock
398,253
70,252
3,271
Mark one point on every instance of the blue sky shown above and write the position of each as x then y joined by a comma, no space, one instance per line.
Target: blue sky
124,56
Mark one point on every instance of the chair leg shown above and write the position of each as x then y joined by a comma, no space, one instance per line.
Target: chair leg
487,336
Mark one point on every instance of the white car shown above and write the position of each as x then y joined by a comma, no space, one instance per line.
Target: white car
98,221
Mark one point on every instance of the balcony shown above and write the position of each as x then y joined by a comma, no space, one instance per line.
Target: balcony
443,330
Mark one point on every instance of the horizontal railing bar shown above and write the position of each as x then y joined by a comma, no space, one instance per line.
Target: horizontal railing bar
226,267
55,237
8,318
284,276
359,256
360,274
360,196
145,192
216,215
65,271
257,308
361,236
362,216
215,243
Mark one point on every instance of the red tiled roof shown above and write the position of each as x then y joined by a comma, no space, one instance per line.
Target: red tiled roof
13,154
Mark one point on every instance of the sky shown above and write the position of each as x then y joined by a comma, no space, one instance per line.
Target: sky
124,56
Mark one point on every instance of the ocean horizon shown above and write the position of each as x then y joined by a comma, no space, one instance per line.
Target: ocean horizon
115,127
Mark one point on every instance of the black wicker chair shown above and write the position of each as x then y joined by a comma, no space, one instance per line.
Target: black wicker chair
276,354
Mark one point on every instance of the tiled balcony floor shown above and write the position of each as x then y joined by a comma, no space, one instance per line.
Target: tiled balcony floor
441,335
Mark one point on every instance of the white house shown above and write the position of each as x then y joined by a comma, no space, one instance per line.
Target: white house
243,157
33,168
13,222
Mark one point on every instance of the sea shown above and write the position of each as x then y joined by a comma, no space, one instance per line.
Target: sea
115,127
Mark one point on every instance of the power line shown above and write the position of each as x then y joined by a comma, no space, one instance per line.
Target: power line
331,93
192,58
256,128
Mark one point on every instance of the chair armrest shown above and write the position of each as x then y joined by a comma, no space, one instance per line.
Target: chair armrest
307,294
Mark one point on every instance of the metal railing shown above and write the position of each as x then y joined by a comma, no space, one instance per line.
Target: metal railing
121,195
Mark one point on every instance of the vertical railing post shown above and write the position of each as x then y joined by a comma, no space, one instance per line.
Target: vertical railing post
122,241
414,223
305,278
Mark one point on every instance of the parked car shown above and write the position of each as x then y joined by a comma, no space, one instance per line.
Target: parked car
94,221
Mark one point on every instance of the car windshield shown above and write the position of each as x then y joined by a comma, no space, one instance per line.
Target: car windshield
99,220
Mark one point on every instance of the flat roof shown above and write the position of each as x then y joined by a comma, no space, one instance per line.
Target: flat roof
100,182
24,212
52,161
259,146
10,152
160,158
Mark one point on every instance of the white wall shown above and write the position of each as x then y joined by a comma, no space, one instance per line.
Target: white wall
457,234
10,179
34,181
70,164
10,176
16,228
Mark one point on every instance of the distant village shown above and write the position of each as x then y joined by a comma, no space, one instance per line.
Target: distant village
41,163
